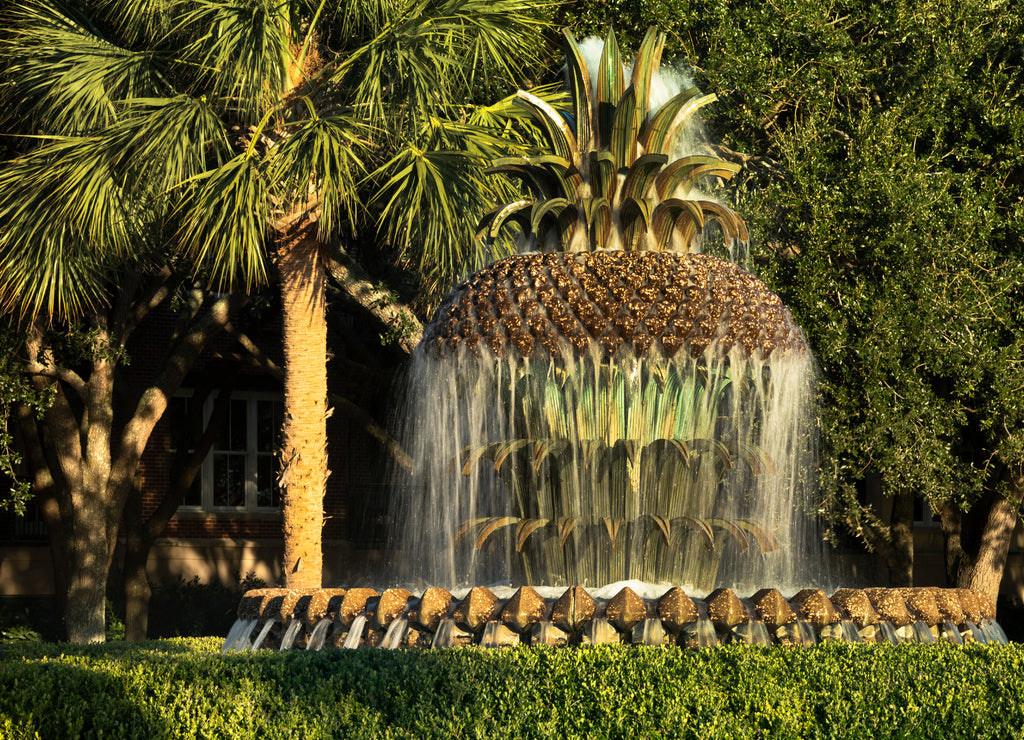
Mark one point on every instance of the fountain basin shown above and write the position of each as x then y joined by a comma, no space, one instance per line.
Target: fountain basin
398,618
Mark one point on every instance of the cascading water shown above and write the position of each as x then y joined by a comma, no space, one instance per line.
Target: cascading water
624,409
589,470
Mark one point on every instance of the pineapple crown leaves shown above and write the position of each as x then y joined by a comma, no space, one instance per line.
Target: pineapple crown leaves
611,180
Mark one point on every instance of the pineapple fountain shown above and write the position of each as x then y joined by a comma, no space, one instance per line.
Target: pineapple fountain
611,406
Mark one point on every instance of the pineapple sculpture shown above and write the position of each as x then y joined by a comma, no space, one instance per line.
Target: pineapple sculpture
612,387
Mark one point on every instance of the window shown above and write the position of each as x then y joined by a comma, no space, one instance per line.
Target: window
924,515
240,472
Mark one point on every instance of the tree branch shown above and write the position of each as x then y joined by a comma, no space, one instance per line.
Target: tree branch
40,364
352,410
163,286
351,277
189,467
153,401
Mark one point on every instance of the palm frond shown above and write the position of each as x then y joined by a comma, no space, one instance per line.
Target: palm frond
67,75
225,214
136,20
241,51
514,126
164,142
65,219
360,18
423,200
320,159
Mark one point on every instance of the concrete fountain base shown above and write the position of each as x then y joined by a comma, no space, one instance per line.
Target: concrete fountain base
282,619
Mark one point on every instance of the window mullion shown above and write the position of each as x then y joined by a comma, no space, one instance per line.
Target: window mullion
206,471
250,454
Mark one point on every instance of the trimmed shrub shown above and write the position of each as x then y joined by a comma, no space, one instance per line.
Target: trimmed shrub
183,688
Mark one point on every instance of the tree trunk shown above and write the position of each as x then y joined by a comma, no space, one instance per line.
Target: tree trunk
137,544
977,542
304,444
85,610
44,488
91,537
404,326
892,546
136,582
901,560
141,534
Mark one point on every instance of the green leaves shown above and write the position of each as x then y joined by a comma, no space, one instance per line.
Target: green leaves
620,152
359,115
833,690
225,216
424,58
424,201
318,163
65,200
241,52
894,231
66,74
161,143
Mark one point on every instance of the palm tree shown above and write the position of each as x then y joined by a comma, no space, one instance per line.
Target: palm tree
230,136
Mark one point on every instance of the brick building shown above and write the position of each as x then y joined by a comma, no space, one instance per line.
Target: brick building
229,522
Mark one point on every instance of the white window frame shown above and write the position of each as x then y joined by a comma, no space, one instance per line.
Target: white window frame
927,518
251,454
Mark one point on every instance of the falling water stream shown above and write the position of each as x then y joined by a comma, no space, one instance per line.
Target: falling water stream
586,471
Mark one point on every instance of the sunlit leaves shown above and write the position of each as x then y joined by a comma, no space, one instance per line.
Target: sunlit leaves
225,218
164,142
318,161
241,51
64,199
66,74
430,182
345,112
421,57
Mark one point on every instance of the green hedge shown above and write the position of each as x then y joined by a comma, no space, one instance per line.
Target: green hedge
183,688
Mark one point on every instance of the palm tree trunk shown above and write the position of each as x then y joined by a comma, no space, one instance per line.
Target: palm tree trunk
304,444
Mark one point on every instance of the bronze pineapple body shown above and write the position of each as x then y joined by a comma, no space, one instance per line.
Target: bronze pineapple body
642,301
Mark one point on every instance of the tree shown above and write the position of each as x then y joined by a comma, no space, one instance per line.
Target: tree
81,459
883,188
14,389
221,138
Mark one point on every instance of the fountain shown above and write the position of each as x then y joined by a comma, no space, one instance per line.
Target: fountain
612,405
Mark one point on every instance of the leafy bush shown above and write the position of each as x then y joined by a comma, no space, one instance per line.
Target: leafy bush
183,688
192,609
32,618
20,633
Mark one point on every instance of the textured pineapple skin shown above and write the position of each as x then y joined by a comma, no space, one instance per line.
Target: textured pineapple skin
647,302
